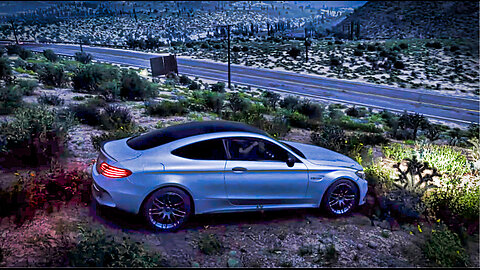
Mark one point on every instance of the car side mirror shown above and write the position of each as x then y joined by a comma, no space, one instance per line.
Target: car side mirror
290,162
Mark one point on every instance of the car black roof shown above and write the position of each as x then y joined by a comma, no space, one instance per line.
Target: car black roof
172,133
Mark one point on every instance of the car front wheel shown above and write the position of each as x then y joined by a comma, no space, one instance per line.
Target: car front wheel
167,209
341,198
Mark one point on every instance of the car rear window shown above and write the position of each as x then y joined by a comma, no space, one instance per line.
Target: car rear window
172,133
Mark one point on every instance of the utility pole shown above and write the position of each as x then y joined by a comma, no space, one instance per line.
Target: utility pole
14,31
229,73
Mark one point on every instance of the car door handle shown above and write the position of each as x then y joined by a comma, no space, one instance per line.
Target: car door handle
239,169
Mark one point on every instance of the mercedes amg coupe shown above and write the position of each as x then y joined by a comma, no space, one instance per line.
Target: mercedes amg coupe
170,174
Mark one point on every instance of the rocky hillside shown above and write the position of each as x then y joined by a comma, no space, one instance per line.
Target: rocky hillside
414,19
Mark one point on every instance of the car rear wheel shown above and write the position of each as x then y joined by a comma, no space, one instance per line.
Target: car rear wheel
167,209
341,198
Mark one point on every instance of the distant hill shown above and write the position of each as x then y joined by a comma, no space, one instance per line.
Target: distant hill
414,19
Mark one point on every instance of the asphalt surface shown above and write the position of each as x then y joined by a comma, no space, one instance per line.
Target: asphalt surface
437,106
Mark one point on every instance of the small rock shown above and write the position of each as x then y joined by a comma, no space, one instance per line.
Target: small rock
372,245
195,264
360,246
233,253
233,262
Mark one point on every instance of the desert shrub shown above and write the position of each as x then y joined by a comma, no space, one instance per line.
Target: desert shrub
397,152
25,54
83,57
86,113
237,103
97,249
235,49
52,75
294,52
338,42
185,80
444,158
194,86
13,49
50,100
398,65
166,108
27,86
372,139
445,249
310,109
403,46
434,44
299,120
371,48
54,187
218,87
5,69
270,99
133,87
289,102
213,101
50,55
354,112
244,49
35,136
360,46
378,175
109,90
209,244
116,134
335,61
10,98
473,131
115,117
89,78
457,200
331,137
357,52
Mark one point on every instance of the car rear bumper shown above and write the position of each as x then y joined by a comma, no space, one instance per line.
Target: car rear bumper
118,193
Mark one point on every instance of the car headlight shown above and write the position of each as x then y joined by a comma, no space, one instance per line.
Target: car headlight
360,174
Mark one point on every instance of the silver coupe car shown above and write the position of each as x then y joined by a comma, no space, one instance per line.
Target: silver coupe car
169,174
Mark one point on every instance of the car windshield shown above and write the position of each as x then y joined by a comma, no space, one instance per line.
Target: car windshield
298,152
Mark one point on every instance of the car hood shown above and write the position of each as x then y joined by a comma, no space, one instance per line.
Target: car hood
322,156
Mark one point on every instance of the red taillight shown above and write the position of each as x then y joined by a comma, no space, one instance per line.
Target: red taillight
112,171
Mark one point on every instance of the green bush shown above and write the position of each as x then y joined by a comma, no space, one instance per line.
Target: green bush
115,117
35,136
378,175
331,137
133,87
210,245
109,90
444,158
52,75
218,87
213,101
194,86
50,55
83,57
237,103
310,109
50,100
97,249
86,113
93,78
13,49
5,69
294,52
299,120
357,52
10,99
270,99
354,112
185,80
444,249
289,102
25,54
166,108
27,86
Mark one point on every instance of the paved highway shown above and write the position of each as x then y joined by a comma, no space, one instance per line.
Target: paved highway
436,106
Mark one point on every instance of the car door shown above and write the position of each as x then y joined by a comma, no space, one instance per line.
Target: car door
256,173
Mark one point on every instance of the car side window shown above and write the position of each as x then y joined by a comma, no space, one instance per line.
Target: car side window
205,150
253,149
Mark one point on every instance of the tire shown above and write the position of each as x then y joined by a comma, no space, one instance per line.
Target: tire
167,209
341,198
